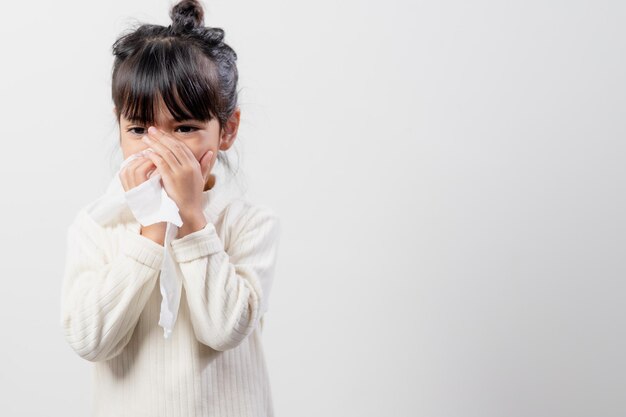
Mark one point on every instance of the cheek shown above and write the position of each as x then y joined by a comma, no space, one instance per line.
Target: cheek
200,147
195,149
129,149
130,146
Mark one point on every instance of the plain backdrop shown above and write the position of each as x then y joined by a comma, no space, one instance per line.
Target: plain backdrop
449,176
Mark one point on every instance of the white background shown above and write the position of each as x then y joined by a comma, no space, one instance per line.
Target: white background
449,175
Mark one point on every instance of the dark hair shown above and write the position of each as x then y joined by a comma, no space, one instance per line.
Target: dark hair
185,64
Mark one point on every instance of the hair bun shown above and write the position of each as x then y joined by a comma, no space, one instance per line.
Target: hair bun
186,15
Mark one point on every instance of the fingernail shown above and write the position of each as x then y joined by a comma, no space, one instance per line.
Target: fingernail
152,130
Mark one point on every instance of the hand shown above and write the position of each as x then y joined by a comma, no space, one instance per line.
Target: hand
182,175
136,172
133,174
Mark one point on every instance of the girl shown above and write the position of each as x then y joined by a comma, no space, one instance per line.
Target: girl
174,91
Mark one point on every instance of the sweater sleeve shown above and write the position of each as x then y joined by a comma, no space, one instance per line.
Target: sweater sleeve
102,295
227,292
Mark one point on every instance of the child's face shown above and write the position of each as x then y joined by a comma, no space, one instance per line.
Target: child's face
199,137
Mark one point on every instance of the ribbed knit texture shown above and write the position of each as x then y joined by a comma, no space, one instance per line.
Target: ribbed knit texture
213,364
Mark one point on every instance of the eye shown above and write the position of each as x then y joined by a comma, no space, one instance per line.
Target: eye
187,127
137,133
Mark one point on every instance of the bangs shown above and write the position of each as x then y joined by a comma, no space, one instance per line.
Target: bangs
166,73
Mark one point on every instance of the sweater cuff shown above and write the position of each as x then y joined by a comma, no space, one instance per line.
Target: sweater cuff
142,249
200,243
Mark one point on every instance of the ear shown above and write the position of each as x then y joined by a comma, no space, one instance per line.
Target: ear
229,133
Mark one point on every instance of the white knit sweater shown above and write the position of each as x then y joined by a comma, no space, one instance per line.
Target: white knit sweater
213,363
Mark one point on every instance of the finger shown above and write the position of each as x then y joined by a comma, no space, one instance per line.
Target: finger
173,143
178,145
127,174
141,171
170,149
162,166
163,151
